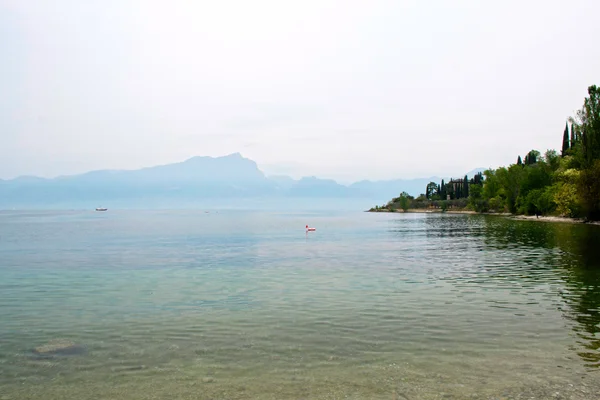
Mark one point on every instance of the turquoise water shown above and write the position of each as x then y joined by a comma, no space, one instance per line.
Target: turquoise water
240,305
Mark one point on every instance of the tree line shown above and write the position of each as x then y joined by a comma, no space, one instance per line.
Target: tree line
453,190
566,184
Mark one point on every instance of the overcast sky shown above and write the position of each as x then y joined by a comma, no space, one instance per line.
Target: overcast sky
339,89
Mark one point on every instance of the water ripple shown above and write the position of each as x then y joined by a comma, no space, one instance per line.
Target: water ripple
246,305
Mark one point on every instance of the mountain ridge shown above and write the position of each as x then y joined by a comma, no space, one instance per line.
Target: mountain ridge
197,178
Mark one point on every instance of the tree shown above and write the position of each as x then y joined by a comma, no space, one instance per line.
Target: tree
432,190
591,126
476,201
443,191
404,200
510,180
533,181
566,182
552,159
589,189
444,206
450,190
566,197
532,157
565,143
587,125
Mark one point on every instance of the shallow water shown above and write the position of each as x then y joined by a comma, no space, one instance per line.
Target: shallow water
236,305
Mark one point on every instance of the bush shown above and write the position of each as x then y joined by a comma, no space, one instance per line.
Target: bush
545,201
444,205
566,200
496,204
537,201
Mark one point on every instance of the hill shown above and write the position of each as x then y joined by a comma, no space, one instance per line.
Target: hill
205,181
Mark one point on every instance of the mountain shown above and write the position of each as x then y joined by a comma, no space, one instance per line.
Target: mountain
475,171
232,181
198,177
283,182
315,187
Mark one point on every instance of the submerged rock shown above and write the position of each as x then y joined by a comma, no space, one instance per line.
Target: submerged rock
59,347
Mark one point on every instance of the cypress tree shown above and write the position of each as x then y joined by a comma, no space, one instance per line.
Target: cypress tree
573,139
565,144
527,159
519,161
466,186
443,191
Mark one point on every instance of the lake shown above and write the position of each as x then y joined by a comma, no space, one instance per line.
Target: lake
246,305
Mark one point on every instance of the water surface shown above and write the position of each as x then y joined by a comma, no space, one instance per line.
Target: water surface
237,305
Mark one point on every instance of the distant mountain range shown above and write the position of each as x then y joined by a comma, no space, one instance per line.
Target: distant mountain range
231,181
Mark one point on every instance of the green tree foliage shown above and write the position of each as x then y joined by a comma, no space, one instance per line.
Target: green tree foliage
510,180
565,192
552,159
432,190
532,157
567,184
444,206
591,127
588,153
404,201
589,190
476,201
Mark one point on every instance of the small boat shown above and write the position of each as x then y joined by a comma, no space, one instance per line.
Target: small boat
310,229
101,209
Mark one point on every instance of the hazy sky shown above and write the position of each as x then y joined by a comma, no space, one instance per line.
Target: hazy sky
341,89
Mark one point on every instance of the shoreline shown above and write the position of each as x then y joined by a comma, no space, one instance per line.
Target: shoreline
551,218
540,218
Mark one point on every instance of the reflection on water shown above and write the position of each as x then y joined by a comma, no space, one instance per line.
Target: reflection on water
239,305
576,261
